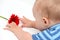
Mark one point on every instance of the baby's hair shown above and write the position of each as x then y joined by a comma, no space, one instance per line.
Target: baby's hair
51,8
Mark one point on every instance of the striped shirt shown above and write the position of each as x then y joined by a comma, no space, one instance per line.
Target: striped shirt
52,33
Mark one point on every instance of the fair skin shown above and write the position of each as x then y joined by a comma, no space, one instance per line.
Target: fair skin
27,23
42,22
20,34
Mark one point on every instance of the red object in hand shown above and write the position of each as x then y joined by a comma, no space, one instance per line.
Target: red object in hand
14,18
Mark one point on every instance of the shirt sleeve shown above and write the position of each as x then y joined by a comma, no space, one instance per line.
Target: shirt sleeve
47,35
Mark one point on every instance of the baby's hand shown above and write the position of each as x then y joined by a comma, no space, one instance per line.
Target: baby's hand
20,34
27,23
13,27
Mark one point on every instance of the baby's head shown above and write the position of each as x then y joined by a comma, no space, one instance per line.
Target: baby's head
47,13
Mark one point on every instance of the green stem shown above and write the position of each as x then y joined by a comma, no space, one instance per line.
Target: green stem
3,17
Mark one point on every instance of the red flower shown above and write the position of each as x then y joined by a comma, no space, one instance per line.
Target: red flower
14,18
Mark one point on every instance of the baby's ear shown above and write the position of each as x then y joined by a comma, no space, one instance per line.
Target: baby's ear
45,20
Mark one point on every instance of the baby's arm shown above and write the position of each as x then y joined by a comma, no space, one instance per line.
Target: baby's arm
27,23
20,34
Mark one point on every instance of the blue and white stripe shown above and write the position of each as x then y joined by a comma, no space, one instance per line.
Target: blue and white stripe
52,33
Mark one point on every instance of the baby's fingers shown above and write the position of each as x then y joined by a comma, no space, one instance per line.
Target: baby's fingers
13,24
6,28
24,19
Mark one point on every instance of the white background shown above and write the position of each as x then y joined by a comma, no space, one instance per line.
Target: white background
18,7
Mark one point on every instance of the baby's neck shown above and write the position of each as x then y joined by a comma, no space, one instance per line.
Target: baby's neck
53,23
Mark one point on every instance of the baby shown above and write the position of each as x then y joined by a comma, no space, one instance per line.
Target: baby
47,15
